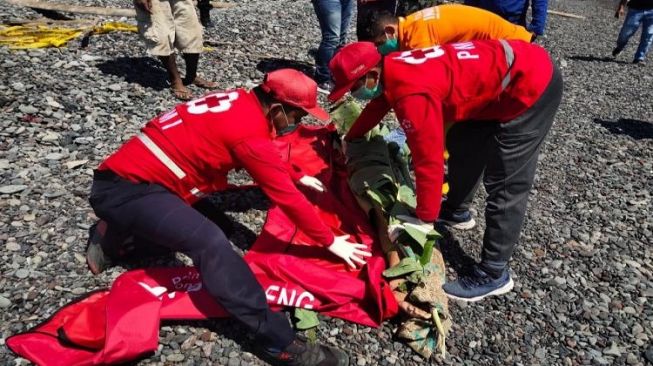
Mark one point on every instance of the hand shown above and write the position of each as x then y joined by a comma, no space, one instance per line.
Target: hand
144,4
349,252
312,183
621,10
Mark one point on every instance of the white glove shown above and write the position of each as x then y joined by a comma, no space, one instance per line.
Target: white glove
349,252
312,183
408,221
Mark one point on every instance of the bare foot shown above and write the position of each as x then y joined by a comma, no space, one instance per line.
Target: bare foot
203,83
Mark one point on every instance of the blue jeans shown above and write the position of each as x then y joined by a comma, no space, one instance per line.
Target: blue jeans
634,18
334,17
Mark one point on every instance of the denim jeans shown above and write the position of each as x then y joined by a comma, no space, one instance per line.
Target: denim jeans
334,17
634,18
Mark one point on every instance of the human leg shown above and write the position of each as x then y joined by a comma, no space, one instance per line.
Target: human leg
631,23
150,211
189,41
347,9
647,36
329,16
508,178
467,143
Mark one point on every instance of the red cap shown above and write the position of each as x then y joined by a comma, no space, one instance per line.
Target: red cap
351,63
296,89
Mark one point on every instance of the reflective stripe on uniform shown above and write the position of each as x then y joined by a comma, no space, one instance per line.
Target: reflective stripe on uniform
197,193
162,156
510,58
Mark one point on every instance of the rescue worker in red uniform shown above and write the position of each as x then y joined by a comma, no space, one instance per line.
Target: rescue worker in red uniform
145,189
501,98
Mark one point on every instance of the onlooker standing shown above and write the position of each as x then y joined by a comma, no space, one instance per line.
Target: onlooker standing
515,11
169,24
395,7
334,17
367,7
640,12
204,6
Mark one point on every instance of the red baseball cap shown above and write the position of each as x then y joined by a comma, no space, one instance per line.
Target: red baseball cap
351,63
293,87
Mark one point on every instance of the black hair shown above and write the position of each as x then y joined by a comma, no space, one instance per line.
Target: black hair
373,24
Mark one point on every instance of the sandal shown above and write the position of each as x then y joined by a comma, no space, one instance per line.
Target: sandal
182,94
205,84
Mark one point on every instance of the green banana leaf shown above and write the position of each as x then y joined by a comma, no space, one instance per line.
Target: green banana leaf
306,319
405,266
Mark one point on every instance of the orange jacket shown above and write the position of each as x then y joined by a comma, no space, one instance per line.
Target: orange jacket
455,23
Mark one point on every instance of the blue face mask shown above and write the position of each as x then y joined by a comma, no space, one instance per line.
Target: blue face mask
365,93
390,45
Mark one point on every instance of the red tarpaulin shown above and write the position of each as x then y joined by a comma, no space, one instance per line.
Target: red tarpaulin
122,324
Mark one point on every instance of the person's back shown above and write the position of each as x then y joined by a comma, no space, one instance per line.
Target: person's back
467,78
515,11
455,23
199,137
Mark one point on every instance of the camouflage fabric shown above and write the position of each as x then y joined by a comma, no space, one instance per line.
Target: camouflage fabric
379,176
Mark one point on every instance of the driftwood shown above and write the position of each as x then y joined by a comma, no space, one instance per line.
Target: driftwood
114,12
566,15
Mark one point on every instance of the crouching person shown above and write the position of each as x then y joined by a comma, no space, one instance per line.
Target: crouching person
144,189
501,96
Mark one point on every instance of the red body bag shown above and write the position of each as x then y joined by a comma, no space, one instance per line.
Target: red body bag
122,324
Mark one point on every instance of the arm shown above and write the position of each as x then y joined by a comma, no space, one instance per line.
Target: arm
421,119
261,160
538,22
621,8
372,114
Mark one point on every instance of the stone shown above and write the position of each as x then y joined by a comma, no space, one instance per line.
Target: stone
12,188
4,302
12,246
21,273
632,359
557,281
175,357
649,354
55,156
612,350
28,109
75,163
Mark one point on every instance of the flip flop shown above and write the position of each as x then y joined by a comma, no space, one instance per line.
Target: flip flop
202,83
182,94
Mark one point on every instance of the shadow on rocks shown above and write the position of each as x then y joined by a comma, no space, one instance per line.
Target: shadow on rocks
453,252
591,58
638,130
271,64
144,71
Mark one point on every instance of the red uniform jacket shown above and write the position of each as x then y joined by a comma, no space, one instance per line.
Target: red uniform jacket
452,83
191,149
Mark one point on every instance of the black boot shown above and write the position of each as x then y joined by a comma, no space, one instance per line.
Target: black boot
302,353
